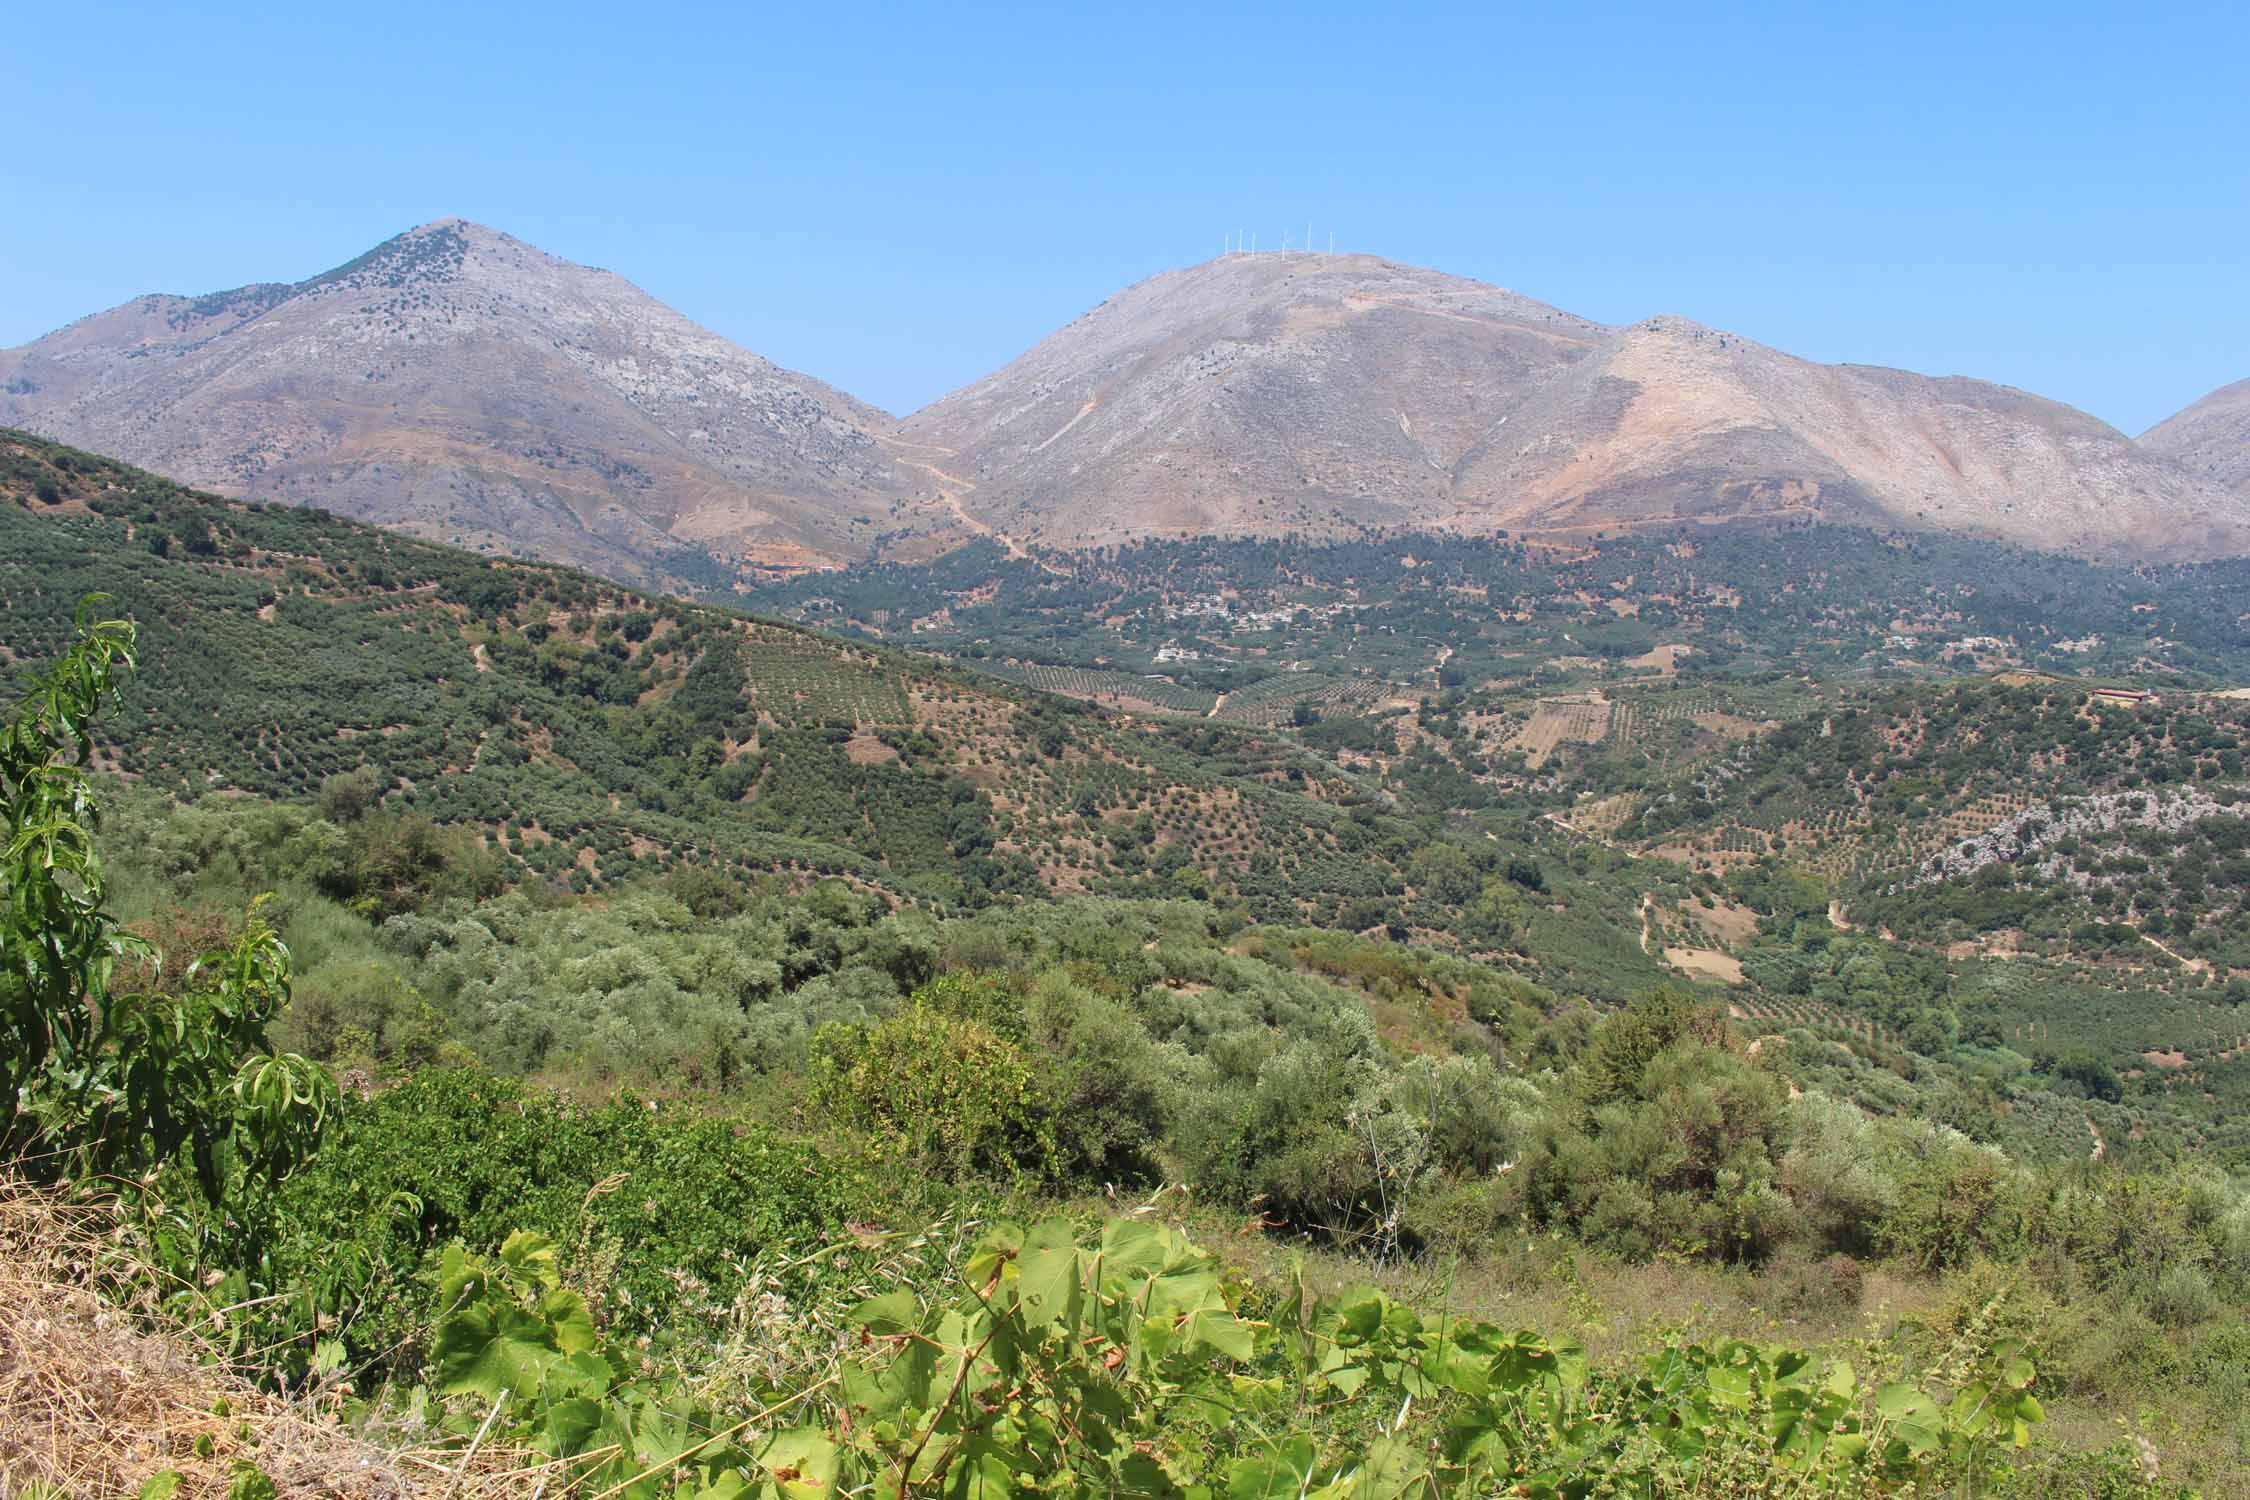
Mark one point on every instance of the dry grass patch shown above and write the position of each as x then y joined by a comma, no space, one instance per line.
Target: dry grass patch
97,1398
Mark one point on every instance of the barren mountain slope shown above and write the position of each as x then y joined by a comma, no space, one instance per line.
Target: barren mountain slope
1254,393
2210,439
1266,393
1671,419
459,384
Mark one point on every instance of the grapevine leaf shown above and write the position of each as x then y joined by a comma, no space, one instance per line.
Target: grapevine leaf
1049,1287
1392,1469
533,1259
1913,1415
1222,1332
569,1324
1359,1310
1131,1248
892,1313
997,1250
802,1461
490,1347
1278,1475
569,1423
250,1482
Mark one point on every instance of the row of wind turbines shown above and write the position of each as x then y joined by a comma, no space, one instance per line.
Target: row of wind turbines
1245,241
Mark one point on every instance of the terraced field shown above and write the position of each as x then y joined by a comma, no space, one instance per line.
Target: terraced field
1272,701
1269,703
1642,718
1116,689
1577,720
792,676
1602,817
1783,1012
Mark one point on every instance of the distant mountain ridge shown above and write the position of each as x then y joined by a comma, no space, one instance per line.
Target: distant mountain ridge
461,385
1319,393
2210,439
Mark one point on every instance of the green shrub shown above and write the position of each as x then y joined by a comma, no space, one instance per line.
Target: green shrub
2181,1297
1666,1141
662,1211
365,1015
1113,1112
2126,1470
1954,1202
1832,1175
933,1086
102,1084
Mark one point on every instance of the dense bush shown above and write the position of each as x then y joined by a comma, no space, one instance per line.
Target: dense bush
1669,1142
936,1085
661,1213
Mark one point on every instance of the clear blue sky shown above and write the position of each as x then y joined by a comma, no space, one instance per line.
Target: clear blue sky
2056,196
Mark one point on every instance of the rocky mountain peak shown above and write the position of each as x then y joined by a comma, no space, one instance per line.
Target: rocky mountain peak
2210,439
464,385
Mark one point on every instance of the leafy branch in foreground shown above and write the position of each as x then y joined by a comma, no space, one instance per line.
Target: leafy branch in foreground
102,1083
1131,1364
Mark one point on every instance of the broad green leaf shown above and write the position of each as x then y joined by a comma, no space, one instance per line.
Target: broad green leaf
1049,1285
249,1482
905,1382
892,1313
1131,1248
1897,1402
1391,1469
994,1252
1267,1395
1222,1332
533,1259
1359,1310
1729,1387
1347,1378
1972,1409
458,1277
1913,1416
487,1349
1143,1477
1279,1474
802,1461
569,1324
568,1423
981,1473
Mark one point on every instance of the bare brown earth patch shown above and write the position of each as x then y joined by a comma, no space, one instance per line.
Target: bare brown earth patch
1665,659
864,749
1706,963
1726,921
